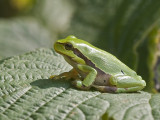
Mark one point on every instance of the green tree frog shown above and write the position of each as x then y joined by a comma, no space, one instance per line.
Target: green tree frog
93,67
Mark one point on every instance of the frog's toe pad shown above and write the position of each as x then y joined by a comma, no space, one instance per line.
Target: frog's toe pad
52,77
55,77
78,84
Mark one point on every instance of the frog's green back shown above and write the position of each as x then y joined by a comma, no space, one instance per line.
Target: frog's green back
102,59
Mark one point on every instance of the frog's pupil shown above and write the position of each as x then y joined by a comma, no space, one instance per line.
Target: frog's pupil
68,46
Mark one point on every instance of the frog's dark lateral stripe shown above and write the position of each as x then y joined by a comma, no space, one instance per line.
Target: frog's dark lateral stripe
109,88
87,61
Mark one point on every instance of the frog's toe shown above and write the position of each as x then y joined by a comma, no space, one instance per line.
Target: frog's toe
52,77
78,84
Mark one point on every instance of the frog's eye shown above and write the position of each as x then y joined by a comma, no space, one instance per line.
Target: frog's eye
68,46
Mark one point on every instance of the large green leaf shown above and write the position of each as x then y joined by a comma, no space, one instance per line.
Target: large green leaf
27,93
155,104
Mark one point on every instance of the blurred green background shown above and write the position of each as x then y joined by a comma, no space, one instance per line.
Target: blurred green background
129,29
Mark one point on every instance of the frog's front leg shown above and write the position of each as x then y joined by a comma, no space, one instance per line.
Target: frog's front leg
126,83
91,74
72,74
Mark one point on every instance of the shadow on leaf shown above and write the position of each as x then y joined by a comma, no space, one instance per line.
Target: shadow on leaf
47,83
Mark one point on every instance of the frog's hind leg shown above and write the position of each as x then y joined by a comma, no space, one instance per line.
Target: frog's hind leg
126,83
108,89
131,89
113,89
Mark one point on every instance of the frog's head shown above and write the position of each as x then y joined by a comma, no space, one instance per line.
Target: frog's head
68,48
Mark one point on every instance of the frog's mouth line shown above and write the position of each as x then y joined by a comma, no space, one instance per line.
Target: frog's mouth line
87,61
69,57
55,47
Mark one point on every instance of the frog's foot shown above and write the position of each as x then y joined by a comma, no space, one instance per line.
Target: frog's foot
71,75
52,77
65,75
55,77
78,84
109,89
